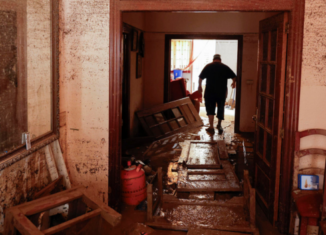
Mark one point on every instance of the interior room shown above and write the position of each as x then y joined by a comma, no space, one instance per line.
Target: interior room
104,128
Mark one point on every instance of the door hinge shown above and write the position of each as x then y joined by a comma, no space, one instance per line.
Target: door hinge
287,28
282,133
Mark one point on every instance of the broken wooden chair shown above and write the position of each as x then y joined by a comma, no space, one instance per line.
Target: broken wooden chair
308,203
203,167
85,216
235,215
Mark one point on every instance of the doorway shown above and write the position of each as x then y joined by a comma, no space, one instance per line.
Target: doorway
292,99
202,47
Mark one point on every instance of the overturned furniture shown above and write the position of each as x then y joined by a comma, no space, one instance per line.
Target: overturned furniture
166,119
85,216
234,215
202,170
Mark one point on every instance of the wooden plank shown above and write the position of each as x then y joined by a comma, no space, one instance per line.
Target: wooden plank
185,151
107,213
49,202
235,201
61,165
209,5
199,231
72,222
231,184
9,227
150,202
160,183
223,153
203,155
206,171
48,189
165,225
24,225
50,162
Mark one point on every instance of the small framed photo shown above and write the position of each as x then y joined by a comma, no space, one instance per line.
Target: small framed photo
139,65
134,40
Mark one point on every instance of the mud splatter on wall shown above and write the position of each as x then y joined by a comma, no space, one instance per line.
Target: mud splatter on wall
314,46
39,66
313,80
84,72
21,180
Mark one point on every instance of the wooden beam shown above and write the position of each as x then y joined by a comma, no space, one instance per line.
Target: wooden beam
150,202
48,189
24,225
206,5
49,202
72,222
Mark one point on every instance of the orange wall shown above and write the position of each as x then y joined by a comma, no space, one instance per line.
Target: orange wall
157,25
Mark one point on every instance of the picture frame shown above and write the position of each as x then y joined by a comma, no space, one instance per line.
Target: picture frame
134,40
139,65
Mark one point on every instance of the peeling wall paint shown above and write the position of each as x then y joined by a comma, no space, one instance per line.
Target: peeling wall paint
84,72
20,181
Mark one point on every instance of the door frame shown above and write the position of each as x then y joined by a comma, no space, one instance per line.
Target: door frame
127,29
296,9
167,65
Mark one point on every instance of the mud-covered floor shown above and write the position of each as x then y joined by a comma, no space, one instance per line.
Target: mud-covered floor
166,157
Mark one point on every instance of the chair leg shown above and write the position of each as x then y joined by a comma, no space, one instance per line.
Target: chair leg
303,226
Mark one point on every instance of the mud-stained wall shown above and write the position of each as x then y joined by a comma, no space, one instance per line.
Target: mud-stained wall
84,72
313,81
39,66
20,181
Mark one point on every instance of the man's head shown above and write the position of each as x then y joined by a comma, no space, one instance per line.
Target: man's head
217,58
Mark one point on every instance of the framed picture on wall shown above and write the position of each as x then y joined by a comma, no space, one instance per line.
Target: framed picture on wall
134,40
139,65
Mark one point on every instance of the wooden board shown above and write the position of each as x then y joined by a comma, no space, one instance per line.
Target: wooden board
199,231
159,146
169,118
228,216
223,153
203,155
223,180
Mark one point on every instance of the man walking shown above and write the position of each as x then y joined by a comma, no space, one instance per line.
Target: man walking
216,74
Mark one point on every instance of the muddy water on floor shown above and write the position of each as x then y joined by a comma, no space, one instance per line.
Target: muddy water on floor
204,216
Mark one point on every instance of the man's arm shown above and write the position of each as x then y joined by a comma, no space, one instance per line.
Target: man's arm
233,85
200,89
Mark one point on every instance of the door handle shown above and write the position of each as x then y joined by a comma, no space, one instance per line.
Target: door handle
254,117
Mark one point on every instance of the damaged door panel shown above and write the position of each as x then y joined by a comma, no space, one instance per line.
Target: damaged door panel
167,119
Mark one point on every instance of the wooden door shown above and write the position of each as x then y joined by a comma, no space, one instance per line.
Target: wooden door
126,85
270,98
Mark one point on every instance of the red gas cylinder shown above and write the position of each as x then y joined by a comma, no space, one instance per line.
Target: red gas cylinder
133,185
